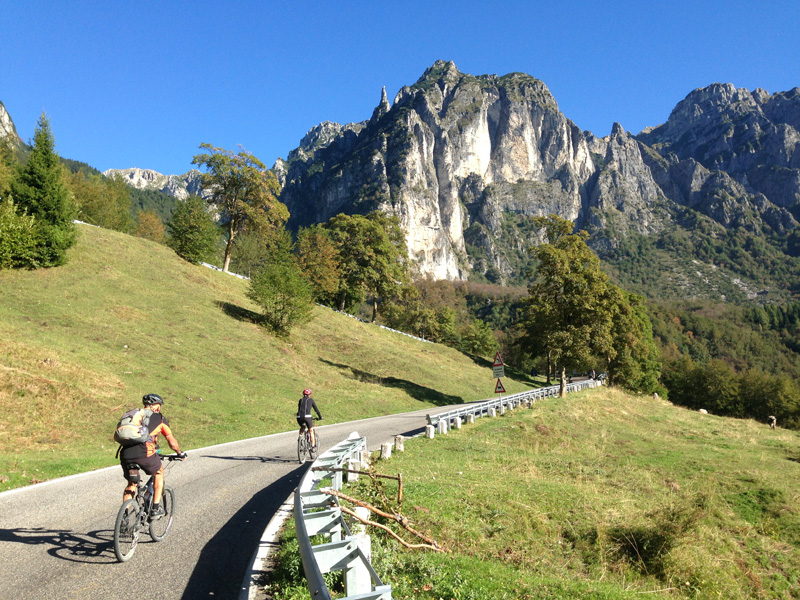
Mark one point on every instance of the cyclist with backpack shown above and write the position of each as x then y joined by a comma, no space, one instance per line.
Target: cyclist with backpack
137,435
304,418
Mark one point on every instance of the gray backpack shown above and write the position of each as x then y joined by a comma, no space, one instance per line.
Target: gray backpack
132,427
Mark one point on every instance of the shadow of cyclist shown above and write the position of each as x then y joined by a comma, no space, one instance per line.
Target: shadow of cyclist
93,547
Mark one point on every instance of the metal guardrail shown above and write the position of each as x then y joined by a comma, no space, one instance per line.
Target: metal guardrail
317,513
481,409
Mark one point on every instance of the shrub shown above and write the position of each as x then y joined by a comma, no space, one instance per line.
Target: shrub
192,232
17,238
283,295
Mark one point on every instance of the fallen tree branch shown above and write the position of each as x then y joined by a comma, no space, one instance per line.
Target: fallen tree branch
399,519
352,513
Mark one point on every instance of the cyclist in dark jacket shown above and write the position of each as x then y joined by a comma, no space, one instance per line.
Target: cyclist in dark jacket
304,413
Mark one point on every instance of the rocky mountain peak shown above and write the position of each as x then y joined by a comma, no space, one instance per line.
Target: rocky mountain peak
466,162
382,108
180,186
7,128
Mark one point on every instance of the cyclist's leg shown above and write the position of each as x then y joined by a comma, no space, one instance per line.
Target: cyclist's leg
311,433
152,466
132,477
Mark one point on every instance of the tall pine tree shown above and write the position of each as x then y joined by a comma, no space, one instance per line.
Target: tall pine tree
41,192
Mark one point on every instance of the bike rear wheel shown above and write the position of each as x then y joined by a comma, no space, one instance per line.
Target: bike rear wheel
126,530
159,528
301,448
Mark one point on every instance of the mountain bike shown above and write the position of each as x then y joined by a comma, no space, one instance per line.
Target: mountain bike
304,445
134,517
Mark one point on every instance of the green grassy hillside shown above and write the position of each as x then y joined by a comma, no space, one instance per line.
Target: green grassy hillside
80,344
599,495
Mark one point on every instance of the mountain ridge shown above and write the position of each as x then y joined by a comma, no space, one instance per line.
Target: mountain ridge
467,162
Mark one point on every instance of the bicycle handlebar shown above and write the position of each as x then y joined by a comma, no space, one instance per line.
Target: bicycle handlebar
180,456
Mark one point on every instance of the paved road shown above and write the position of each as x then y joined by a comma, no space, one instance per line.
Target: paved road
56,538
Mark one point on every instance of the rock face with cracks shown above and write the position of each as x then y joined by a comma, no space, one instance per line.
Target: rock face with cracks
466,162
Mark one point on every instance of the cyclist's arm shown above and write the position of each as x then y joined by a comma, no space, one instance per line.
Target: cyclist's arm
171,440
316,410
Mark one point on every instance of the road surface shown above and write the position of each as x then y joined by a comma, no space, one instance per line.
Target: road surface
56,538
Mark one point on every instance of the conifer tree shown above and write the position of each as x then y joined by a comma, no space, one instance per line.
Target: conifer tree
40,191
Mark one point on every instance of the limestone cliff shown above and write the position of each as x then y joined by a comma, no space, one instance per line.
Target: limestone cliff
180,186
451,157
466,162
7,128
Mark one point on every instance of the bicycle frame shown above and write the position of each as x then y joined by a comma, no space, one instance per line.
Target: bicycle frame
133,517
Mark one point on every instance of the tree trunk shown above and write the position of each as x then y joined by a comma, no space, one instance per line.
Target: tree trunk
374,308
228,251
549,367
562,387
342,301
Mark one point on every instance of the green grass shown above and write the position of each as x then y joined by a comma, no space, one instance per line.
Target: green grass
82,343
599,495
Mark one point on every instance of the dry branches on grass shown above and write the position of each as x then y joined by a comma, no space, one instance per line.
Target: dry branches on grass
430,544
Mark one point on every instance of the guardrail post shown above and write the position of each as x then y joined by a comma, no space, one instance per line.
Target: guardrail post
386,451
357,578
470,418
502,410
353,466
398,443
457,423
429,431
493,412
442,427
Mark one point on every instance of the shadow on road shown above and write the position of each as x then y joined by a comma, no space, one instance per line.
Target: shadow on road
263,459
416,391
225,558
94,547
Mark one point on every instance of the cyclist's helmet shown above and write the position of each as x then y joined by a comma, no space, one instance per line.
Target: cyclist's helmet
152,399
306,392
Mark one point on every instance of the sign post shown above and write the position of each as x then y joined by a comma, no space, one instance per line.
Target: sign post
498,369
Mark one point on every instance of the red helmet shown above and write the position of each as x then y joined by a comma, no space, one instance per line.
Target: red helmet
306,392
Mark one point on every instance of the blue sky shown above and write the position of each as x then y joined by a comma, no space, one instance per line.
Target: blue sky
143,84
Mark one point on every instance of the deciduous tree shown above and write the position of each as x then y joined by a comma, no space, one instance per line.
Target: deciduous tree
17,237
243,191
636,365
570,313
192,232
373,258
282,294
102,201
150,227
318,260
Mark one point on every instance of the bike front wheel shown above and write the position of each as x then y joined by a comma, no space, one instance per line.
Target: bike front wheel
159,528
126,530
312,448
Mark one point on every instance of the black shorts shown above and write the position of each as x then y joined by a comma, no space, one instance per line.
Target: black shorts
307,421
149,464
